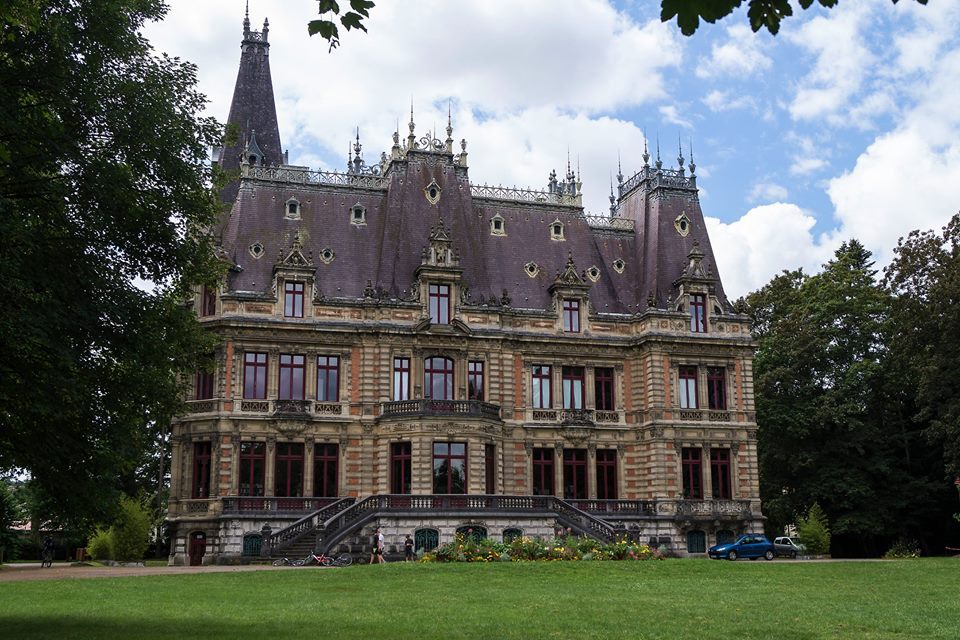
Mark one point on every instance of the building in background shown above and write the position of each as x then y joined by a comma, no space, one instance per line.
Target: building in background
403,348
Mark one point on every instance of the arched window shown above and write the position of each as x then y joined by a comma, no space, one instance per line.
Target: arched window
511,534
251,545
696,542
725,536
438,378
472,532
426,539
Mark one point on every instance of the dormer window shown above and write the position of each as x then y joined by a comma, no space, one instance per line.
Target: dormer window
498,226
432,192
682,224
619,265
698,313
593,273
571,315
358,214
293,209
208,302
439,295
556,230
531,269
293,299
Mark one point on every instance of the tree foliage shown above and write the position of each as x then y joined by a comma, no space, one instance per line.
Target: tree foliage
814,530
104,182
329,11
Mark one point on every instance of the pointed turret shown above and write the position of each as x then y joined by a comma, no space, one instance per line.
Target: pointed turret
253,107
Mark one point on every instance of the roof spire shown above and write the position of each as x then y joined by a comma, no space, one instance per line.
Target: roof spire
693,167
619,169
613,198
411,139
646,154
679,152
246,19
658,163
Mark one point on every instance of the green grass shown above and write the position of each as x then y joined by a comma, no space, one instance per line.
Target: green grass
670,599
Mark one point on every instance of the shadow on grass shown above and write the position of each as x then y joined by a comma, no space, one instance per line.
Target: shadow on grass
89,627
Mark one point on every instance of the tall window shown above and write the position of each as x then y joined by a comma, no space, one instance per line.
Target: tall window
716,388
401,378
400,467
688,387
543,472
692,474
698,313
475,380
542,398
603,388
449,467
201,469
204,385
292,369
572,387
293,299
253,462
490,467
606,474
325,460
255,375
575,474
438,378
289,470
208,301
328,378
571,316
720,473
439,303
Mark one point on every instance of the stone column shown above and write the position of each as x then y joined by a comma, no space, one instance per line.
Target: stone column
558,470
308,446
270,467
592,470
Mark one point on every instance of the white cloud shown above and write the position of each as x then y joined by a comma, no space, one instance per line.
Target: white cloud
767,192
762,243
741,55
718,100
671,115
807,157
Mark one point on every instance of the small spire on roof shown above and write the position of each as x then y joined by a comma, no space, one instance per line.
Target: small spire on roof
619,170
658,163
693,167
646,154
613,198
679,152
246,19
411,139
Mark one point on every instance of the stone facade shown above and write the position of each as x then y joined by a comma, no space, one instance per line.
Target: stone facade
485,341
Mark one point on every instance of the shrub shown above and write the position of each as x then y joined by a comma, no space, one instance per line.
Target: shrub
814,531
100,546
463,549
132,530
903,548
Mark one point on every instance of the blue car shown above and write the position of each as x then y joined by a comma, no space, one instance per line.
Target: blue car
751,545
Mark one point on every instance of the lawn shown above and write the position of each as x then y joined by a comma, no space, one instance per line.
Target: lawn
654,599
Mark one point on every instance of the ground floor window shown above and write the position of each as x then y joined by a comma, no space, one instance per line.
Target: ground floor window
725,536
400,467
426,539
490,467
472,532
575,474
543,472
511,534
253,456
696,542
325,459
251,544
449,467
606,474
289,470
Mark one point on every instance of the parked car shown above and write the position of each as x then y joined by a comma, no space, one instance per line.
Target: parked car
751,545
787,546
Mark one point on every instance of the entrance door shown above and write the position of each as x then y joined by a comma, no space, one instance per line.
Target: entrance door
198,546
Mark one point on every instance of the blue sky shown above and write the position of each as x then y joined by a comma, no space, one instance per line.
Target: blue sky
844,125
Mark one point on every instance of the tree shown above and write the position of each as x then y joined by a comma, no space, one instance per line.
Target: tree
104,182
760,13
814,531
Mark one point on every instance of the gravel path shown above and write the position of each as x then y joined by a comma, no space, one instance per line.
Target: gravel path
59,571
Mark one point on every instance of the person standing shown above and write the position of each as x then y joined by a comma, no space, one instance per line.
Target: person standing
408,549
376,554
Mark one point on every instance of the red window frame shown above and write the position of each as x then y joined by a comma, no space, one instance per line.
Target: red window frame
571,315
439,303
603,388
575,474
401,378
542,471
254,376
326,459
438,377
720,474
292,377
698,313
490,467
251,474
606,474
328,378
688,388
288,470
573,383
446,457
208,301
204,386
475,380
542,383
293,299
201,469
716,388
401,468
692,466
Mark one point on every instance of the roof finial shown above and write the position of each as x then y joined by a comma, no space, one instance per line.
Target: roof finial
658,163
693,167
646,154
679,152
411,139
246,19
619,169
613,198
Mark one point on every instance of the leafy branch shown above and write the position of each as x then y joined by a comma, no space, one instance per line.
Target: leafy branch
329,11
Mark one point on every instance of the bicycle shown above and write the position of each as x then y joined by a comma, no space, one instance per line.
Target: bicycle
287,562
323,560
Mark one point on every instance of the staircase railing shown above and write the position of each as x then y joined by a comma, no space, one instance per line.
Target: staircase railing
283,538
585,523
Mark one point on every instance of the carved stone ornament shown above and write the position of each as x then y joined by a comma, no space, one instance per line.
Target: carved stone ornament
575,436
289,428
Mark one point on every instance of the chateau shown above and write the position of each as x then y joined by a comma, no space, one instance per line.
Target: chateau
406,349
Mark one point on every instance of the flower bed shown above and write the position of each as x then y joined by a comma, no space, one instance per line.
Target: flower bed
468,549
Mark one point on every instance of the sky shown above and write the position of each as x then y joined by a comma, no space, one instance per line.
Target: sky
844,125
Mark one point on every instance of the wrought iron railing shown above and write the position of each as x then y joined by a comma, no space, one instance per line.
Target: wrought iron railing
288,535
606,222
616,507
492,192
201,406
306,176
426,406
576,416
292,407
670,178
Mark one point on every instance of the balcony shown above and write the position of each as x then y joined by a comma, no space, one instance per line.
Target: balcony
294,408
262,505
708,509
202,406
426,408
